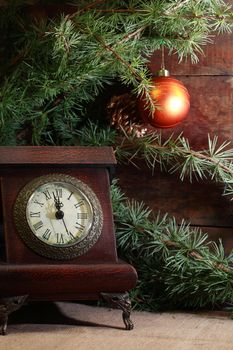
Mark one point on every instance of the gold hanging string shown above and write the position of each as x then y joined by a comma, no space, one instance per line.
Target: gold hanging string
163,60
163,72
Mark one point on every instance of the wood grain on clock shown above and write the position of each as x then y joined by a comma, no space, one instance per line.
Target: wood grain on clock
66,282
44,155
96,273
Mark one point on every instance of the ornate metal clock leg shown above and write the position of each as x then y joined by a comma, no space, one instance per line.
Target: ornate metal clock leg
7,306
120,301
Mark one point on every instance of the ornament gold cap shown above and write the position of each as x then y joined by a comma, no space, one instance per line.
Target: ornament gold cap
163,73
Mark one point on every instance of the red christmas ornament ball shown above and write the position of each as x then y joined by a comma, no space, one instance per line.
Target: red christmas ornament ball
172,102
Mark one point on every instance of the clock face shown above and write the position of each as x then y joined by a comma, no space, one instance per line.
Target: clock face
59,213
58,216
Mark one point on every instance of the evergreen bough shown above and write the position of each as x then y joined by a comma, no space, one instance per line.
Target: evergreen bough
54,73
177,266
53,69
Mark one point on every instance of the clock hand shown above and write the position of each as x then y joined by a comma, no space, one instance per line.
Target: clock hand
65,225
59,213
57,202
58,205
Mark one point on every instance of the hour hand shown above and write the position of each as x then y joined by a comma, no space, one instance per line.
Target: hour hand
59,213
57,202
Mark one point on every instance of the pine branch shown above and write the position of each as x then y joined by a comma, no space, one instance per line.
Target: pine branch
134,35
177,155
177,6
119,58
91,48
90,6
55,69
175,264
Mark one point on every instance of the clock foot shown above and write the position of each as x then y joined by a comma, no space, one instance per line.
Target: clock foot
120,301
7,306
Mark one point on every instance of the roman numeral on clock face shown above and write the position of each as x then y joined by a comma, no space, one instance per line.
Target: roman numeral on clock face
39,203
38,225
60,239
79,226
58,192
47,234
70,195
77,205
82,216
34,215
71,235
47,195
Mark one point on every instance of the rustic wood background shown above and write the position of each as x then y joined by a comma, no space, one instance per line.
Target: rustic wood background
210,84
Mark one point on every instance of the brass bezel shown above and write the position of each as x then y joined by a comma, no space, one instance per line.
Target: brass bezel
40,247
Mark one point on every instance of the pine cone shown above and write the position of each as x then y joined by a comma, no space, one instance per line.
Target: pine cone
124,116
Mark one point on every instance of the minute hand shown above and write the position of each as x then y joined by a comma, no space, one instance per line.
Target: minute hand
67,231
57,202
65,226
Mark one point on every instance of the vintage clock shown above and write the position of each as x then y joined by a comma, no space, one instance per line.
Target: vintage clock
58,234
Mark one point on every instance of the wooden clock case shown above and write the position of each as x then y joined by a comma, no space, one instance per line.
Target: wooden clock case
96,274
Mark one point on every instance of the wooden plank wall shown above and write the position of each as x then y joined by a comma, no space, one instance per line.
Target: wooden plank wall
210,84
